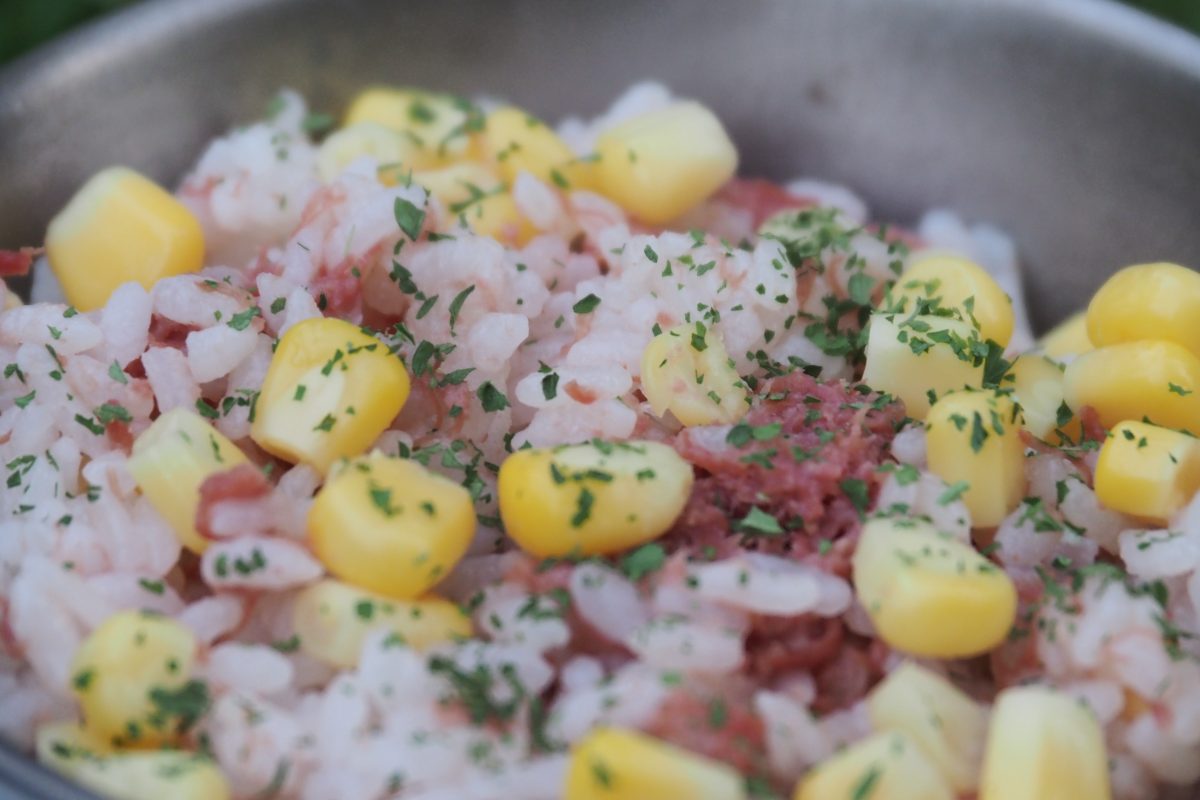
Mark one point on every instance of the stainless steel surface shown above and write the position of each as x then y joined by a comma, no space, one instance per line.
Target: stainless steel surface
1073,124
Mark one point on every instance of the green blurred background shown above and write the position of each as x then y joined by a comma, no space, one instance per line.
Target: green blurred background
26,23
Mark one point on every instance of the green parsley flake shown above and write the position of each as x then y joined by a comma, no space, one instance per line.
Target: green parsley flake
586,305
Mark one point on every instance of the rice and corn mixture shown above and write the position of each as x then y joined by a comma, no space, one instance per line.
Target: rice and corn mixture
445,454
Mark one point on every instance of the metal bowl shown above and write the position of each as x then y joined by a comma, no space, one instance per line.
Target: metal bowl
1072,124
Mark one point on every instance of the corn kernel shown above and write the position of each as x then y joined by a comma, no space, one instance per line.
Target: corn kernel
950,282
1067,340
1037,384
461,185
660,164
519,143
919,357
443,128
391,150
1147,471
390,526
473,193
929,594
331,620
945,723
330,391
169,462
120,227
1043,745
592,499
613,764
12,300
1147,301
886,766
1148,379
975,437
130,676
67,748
687,371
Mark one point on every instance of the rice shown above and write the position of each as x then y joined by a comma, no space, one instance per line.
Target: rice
771,629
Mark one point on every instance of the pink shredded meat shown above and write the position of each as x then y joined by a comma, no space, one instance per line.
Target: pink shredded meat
814,475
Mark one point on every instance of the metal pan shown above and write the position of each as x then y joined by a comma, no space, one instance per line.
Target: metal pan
1072,124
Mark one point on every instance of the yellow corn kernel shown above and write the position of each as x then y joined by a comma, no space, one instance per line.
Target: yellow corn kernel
1067,339
129,677
592,499
392,150
330,390
687,371
1043,745
1147,301
461,185
1147,471
443,128
615,764
120,227
62,744
170,460
12,300
916,357
951,282
475,195
975,437
1148,379
660,164
1037,384
390,526
944,722
518,142
331,620
886,766
928,593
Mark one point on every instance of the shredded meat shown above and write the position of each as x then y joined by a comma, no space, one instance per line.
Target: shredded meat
814,477
14,263
716,720
243,482
762,198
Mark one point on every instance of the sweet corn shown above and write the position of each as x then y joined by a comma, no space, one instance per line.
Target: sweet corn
1043,745
67,748
613,764
1147,301
1037,384
331,620
12,300
975,438
661,164
329,392
129,776
1147,471
171,459
443,128
518,142
949,282
474,193
120,227
946,724
1068,339
592,499
392,151
687,371
916,358
131,677
1157,380
886,766
928,593
390,526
